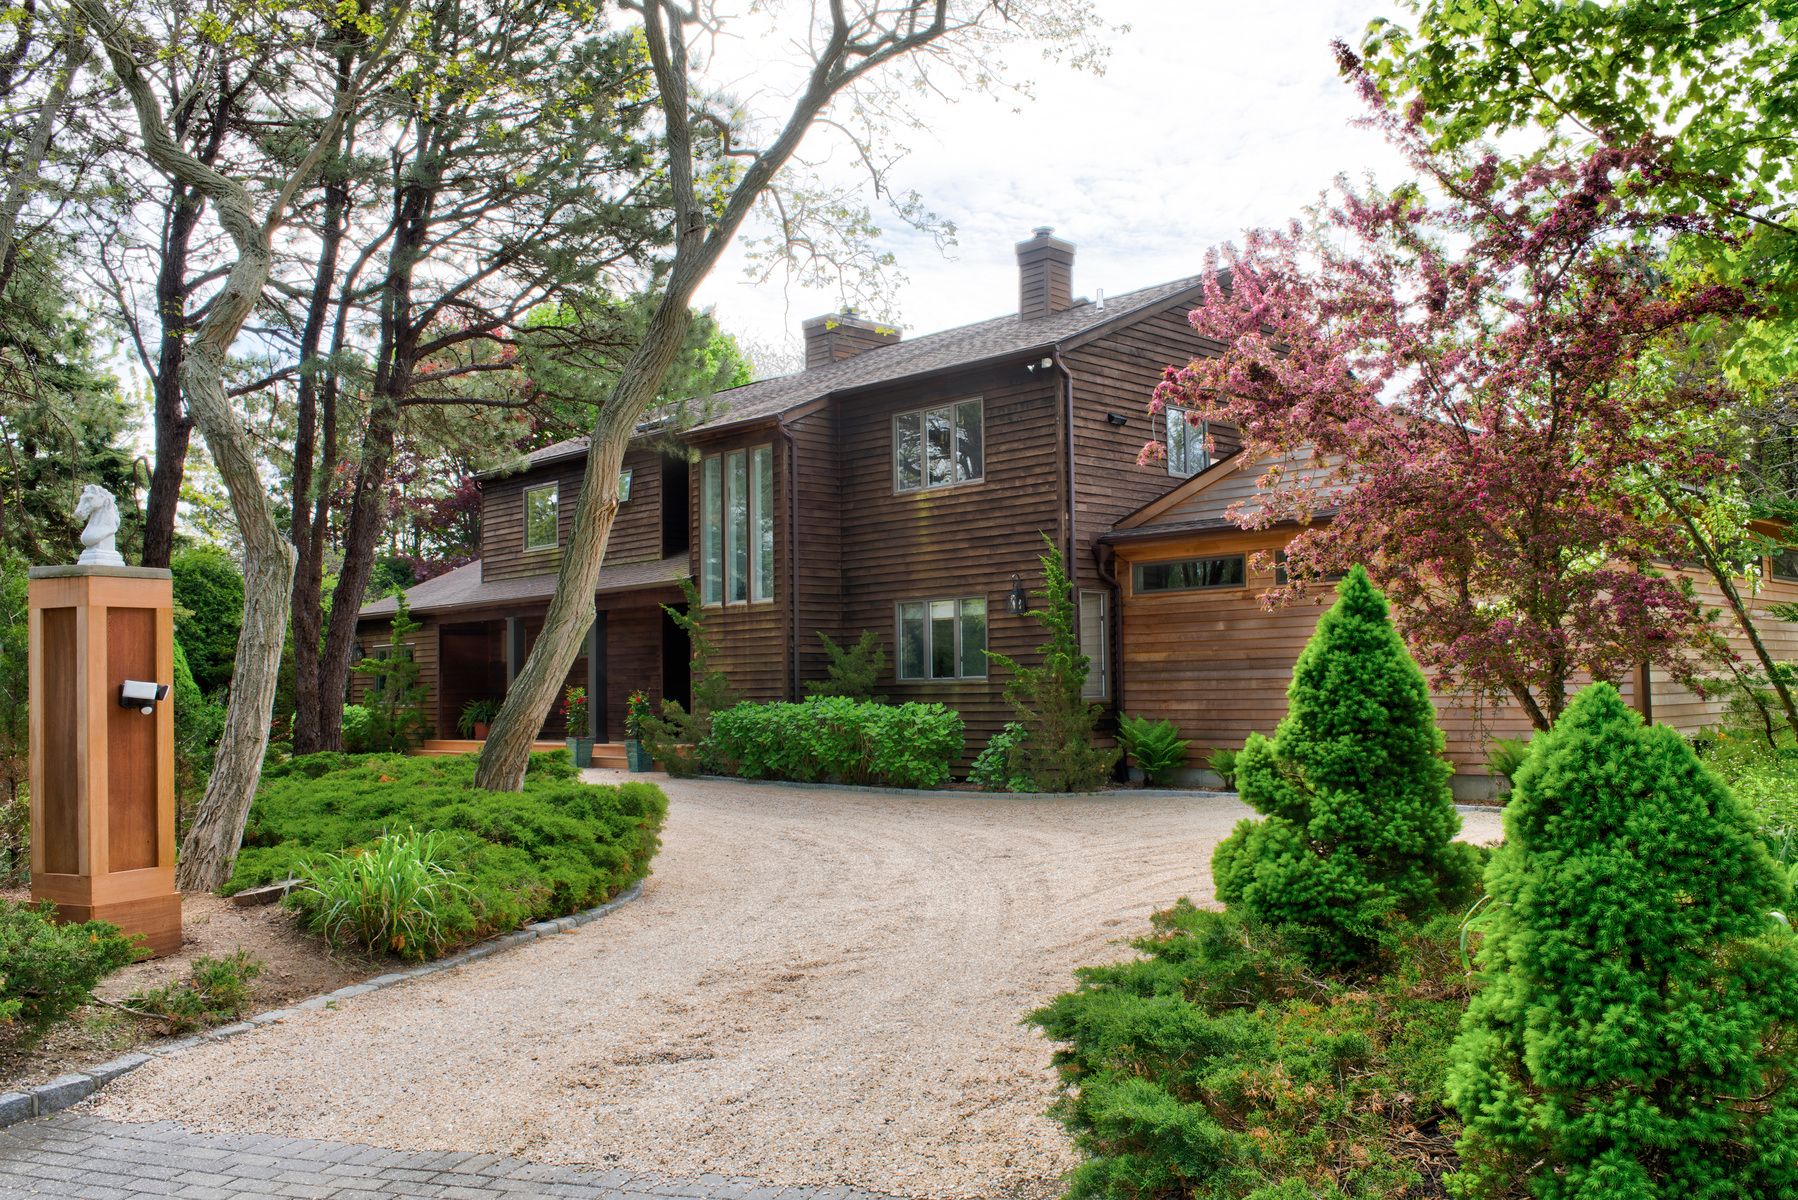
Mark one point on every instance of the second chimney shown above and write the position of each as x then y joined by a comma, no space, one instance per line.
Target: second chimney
836,336
1045,274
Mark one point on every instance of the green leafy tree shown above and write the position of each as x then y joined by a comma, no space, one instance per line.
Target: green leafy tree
208,613
395,699
1359,820
1058,752
855,672
677,736
1637,1035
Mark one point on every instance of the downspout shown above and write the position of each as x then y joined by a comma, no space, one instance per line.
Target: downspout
1067,383
792,444
1106,558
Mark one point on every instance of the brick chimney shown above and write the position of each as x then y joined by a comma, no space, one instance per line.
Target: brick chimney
1045,274
836,336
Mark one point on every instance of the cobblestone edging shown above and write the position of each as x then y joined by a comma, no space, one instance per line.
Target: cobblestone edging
76,1086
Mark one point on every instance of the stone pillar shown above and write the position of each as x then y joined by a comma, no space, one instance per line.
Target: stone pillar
103,771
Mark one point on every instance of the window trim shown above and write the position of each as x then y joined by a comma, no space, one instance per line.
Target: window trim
727,536
899,640
1099,663
1136,568
1171,413
555,488
924,484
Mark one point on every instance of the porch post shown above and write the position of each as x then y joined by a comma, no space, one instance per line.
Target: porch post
596,676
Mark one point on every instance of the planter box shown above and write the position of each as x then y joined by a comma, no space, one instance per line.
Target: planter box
638,757
582,750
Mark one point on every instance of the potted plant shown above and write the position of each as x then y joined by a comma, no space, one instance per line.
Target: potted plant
579,731
477,717
636,708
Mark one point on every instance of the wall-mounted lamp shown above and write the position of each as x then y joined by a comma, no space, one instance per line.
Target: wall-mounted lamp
142,695
1017,602
1118,419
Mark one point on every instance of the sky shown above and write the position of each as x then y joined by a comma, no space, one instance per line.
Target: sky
1213,116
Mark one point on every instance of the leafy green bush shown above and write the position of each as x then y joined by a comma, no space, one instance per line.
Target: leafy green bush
387,897
677,738
1638,1032
199,722
1224,763
357,729
991,770
1058,753
1359,821
839,740
556,847
395,699
855,672
1504,756
1219,1065
1155,746
49,970
215,992
208,613
15,609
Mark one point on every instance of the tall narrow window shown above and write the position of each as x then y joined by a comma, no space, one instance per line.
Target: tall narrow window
1186,454
761,480
942,639
736,536
540,504
1094,639
938,447
911,640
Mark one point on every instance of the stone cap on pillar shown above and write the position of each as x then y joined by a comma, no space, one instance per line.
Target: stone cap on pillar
78,571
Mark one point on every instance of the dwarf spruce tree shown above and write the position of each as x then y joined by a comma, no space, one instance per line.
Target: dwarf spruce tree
1359,820
1637,1034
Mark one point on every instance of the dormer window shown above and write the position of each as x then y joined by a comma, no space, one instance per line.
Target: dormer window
939,447
1186,453
540,527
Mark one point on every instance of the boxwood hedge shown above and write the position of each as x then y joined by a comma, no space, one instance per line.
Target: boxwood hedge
835,739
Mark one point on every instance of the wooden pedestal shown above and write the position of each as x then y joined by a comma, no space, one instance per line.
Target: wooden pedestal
103,776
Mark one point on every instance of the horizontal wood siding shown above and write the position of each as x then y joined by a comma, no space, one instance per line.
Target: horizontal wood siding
372,635
820,538
636,534
752,638
1687,712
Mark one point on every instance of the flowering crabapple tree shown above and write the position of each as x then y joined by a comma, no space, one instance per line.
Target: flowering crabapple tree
1461,368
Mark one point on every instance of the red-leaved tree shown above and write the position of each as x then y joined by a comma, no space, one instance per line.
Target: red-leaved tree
1472,373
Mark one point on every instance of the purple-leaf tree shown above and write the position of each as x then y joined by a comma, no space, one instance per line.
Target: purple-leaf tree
1461,371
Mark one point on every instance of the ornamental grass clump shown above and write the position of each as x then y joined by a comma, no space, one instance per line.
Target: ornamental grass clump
388,897
1637,1034
1359,820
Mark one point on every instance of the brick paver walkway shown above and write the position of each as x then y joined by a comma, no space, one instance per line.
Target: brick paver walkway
93,1159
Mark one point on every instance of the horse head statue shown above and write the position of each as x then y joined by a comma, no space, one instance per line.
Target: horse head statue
101,513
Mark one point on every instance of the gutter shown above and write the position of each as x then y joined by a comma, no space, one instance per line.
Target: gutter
1067,379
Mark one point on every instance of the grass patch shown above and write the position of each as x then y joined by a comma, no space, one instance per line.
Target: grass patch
557,847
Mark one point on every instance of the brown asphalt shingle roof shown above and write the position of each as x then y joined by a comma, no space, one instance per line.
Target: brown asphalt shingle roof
464,588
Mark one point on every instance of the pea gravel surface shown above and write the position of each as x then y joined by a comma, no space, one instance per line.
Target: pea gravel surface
817,987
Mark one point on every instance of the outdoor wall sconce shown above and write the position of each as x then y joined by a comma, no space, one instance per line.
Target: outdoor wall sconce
1118,419
1017,603
142,695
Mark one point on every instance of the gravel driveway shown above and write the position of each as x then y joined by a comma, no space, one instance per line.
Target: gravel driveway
817,987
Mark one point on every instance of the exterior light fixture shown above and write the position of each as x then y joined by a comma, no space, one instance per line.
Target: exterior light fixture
1017,603
1118,419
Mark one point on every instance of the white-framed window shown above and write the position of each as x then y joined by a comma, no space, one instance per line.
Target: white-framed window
624,484
942,639
1189,574
939,446
736,526
1186,453
1095,643
541,531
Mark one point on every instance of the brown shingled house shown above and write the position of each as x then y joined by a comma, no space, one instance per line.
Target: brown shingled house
903,486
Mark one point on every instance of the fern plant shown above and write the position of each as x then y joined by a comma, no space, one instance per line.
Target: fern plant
1154,746
1224,763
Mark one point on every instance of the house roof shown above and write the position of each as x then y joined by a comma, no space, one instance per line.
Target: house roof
464,588
963,346
1204,502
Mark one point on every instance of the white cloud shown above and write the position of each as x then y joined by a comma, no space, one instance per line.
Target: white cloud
1211,118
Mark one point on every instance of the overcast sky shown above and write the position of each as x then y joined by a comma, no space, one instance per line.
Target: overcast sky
1211,117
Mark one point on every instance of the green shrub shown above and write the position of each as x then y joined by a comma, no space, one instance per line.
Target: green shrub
1218,1065
215,992
839,740
15,649
199,723
475,712
556,847
395,699
48,970
1637,1036
1155,746
1223,762
855,672
1359,821
1504,756
1058,753
991,770
357,729
678,737
388,897
208,613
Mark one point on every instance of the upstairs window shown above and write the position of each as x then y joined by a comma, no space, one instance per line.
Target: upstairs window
736,532
1186,454
540,528
1189,574
1785,564
939,447
942,639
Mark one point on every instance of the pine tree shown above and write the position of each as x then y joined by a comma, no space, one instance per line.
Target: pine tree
395,699
1057,753
1359,819
1637,1036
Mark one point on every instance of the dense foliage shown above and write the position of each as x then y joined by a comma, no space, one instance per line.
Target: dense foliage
208,613
1156,747
991,769
394,720
677,737
1059,752
1637,1034
386,898
1221,1066
215,991
555,848
854,672
48,970
1358,821
15,652
839,740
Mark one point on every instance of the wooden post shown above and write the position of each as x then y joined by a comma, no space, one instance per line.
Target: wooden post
102,774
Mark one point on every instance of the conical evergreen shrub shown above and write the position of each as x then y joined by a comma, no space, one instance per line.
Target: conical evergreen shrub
1637,1034
1360,821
